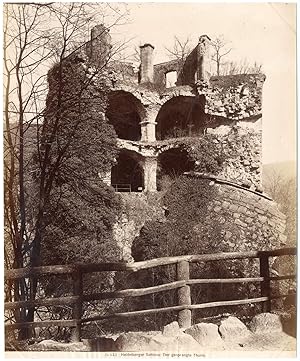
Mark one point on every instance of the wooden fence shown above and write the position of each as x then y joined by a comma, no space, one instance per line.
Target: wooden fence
184,306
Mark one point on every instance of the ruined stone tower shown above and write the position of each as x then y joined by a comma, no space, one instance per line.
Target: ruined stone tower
150,111
155,109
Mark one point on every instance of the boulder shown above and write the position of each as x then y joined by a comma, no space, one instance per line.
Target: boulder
233,330
50,345
100,344
172,329
185,343
206,334
135,341
265,323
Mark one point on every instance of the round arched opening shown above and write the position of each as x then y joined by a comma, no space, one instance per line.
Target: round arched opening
128,175
171,164
125,113
181,116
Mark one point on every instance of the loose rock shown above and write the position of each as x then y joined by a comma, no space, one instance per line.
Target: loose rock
138,342
50,345
265,323
172,329
206,334
233,330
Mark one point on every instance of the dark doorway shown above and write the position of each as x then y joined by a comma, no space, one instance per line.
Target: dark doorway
127,175
125,113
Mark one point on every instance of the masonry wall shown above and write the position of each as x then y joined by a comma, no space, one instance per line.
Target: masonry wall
248,220
242,147
137,209
161,69
235,97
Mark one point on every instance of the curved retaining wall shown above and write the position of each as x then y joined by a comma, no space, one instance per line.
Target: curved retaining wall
248,219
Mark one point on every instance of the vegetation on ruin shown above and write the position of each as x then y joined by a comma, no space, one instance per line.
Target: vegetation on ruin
81,208
56,207
57,149
184,230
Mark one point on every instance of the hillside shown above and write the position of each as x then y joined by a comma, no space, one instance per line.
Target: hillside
286,170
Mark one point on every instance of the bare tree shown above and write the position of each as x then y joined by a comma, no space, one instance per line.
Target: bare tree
180,50
221,48
25,44
35,37
283,190
242,67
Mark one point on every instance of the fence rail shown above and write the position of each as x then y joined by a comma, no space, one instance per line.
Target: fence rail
122,187
183,283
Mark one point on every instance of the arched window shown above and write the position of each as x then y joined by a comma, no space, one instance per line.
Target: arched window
181,116
125,112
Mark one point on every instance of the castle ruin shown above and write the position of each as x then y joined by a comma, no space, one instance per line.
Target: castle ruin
154,107
153,110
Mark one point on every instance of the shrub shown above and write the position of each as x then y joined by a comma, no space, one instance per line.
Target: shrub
187,204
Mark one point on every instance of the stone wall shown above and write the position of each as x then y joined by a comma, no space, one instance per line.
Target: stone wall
243,219
242,147
235,96
137,208
161,69
248,220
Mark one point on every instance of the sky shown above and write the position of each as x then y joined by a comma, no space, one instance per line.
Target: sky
261,32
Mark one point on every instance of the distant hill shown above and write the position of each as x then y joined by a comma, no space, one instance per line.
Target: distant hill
286,170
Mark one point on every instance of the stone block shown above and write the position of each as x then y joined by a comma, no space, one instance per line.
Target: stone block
222,220
240,223
282,238
271,223
262,219
228,235
234,195
249,212
206,334
265,323
233,207
233,330
135,341
226,204
259,188
242,209
172,329
246,183
100,344
51,345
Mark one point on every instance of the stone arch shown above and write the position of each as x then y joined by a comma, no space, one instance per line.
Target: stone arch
127,175
125,112
172,162
181,116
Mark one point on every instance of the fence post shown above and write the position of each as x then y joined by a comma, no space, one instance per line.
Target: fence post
77,306
184,295
265,286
